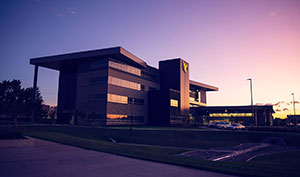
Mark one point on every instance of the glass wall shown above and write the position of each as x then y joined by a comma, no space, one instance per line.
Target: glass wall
99,64
117,98
97,80
124,83
124,67
116,116
96,97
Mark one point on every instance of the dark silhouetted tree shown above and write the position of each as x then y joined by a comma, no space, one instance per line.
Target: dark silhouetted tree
16,101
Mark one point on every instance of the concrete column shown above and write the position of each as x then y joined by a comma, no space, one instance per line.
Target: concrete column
35,78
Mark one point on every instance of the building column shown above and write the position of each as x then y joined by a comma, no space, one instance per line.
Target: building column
35,78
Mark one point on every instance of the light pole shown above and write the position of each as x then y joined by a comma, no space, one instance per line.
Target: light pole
251,94
131,128
294,108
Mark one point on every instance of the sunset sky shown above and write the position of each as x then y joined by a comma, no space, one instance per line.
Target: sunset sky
224,41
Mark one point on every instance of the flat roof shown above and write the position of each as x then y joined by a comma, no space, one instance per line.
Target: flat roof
198,85
55,61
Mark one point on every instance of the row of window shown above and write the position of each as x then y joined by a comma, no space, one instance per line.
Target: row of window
114,117
124,99
117,98
124,67
99,64
148,75
230,115
124,83
118,117
97,80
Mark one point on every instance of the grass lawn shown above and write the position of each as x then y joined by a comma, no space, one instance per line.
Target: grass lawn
281,164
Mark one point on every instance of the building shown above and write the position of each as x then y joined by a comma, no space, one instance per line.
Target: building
246,115
114,87
292,119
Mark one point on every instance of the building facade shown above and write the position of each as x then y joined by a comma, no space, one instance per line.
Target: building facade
113,87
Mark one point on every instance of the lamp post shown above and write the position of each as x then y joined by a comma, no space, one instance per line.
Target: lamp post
294,108
132,102
251,94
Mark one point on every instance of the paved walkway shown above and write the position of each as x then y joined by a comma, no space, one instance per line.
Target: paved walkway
41,158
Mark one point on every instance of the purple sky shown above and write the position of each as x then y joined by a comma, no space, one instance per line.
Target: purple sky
225,42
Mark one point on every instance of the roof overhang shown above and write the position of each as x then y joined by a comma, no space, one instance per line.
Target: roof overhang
201,86
55,62
234,109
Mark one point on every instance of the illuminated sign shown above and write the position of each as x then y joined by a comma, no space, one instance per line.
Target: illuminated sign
184,67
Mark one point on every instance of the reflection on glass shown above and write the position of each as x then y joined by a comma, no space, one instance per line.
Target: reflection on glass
97,80
231,115
117,98
116,116
174,103
124,67
124,83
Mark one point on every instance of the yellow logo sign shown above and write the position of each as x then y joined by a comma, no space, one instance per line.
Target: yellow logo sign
184,67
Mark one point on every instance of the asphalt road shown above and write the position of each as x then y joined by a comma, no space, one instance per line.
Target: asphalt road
38,158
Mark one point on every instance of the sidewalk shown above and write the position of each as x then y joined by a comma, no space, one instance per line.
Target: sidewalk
47,159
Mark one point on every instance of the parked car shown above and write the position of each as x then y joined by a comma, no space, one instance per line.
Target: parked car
223,125
235,126
213,124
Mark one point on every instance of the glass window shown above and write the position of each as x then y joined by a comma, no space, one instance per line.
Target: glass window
143,87
124,67
99,64
124,83
117,98
97,97
174,103
116,116
97,80
136,101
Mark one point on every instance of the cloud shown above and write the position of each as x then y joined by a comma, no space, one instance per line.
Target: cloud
285,109
60,14
71,11
64,12
273,13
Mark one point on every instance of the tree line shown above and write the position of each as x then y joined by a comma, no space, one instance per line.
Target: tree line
17,102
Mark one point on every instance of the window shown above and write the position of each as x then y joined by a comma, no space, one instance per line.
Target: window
152,88
230,115
96,97
124,83
147,75
136,101
143,87
95,117
124,67
116,116
117,98
97,80
99,64
174,103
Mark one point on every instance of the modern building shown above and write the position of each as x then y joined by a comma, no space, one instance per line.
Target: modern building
114,87
246,115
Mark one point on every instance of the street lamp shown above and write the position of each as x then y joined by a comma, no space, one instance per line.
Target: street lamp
132,102
294,107
251,94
